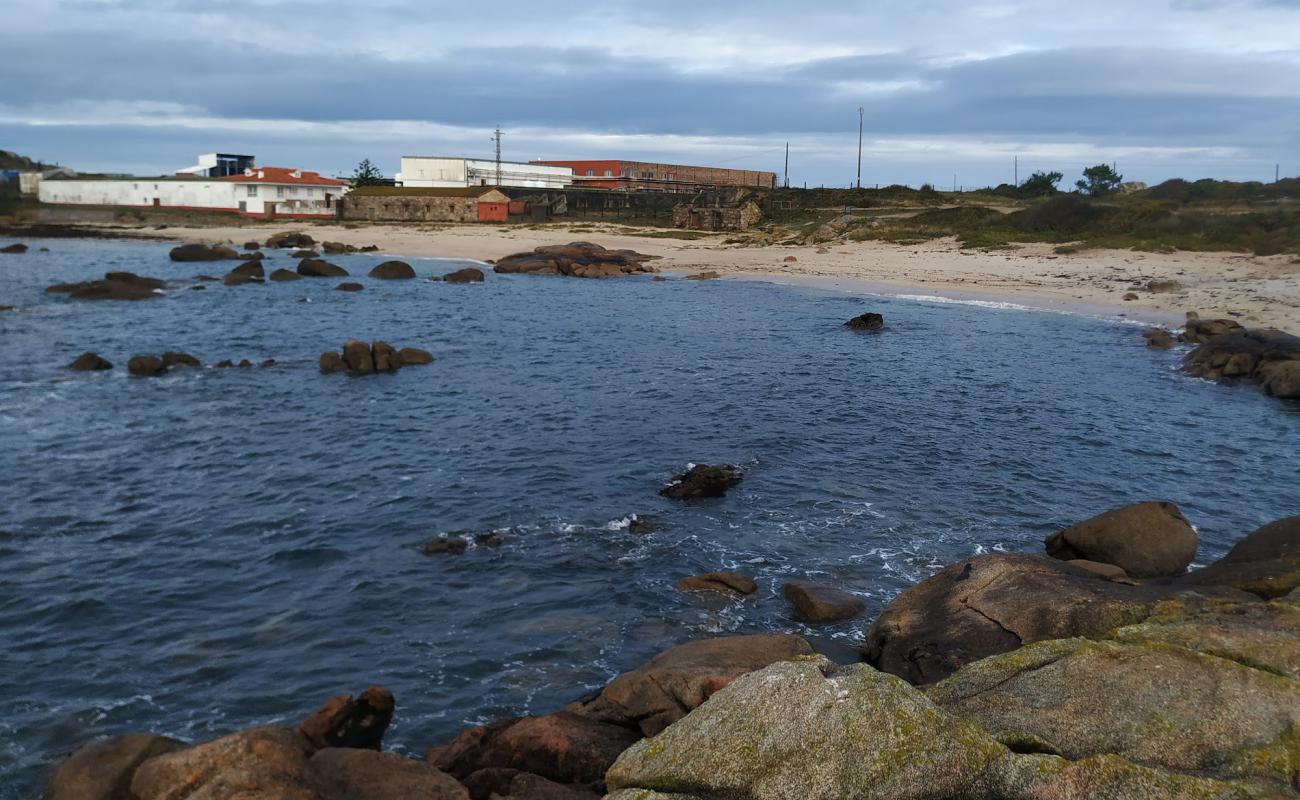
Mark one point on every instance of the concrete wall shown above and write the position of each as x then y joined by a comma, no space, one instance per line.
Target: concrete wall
448,173
141,192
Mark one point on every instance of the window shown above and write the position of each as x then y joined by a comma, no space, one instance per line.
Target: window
279,191
609,173
252,190
135,186
293,190
591,173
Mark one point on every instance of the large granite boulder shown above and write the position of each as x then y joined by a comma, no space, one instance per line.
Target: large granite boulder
316,268
1153,704
666,688
576,259
261,763
103,770
357,357
250,268
354,723
565,747
414,356
202,252
282,274
814,603
393,271
1280,378
145,366
703,480
1147,540
995,603
464,275
360,358
345,774
1266,563
114,286
1200,331
1268,357
15,248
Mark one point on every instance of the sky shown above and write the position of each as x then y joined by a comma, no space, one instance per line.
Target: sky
952,93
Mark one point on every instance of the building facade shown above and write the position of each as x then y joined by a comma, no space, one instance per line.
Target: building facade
657,177
438,172
259,192
219,165
417,204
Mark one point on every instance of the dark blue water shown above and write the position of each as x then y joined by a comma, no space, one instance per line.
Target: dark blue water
218,548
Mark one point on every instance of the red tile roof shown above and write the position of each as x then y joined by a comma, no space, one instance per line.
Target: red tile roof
283,175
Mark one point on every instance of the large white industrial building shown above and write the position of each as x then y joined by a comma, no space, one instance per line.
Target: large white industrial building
444,172
256,192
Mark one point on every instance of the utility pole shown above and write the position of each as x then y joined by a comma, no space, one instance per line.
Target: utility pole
1017,183
860,113
787,165
496,137
1277,173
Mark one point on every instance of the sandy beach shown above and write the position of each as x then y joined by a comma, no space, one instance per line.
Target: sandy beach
1258,291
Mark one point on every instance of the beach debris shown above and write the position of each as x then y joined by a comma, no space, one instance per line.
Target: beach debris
393,271
815,603
724,582
360,358
1163,286
316,268
202,252
703,480
88,362
114,286
869,321
295,239
15,248
576,259
348,287
466,275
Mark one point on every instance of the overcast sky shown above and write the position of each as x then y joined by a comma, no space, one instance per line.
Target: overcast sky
1164,88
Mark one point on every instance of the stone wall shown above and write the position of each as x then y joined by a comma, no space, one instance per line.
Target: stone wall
410,208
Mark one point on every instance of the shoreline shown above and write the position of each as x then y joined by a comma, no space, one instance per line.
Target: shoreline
1259,292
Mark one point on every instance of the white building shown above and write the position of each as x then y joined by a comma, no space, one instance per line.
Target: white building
442,172
256,192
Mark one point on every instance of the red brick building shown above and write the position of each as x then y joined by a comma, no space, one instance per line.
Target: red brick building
651,176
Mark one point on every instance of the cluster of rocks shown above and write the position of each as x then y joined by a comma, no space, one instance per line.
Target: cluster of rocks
149,366
339,248
1228,352
203,252
359,358
1103,669
457,545
809,602
114,286
578,260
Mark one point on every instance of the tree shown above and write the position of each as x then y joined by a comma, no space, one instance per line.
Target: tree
1099,181
1040,184
367,174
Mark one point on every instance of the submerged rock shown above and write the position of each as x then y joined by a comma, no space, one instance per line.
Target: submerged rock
146,366
15,248
284,275
449,545
813,603
315,268
114,286
703,480
349,287
87,362
1147,540
1159,338
866,322
393,270
718,582
466,275
412,356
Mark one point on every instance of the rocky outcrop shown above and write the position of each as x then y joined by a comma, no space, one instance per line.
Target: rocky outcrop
393,271
1158,338
1268,357
114,286
15,248
445,545
1266,563
339,773
814,603
866,322
290,239
703,480
145,366
668,686
337,248
725,582
89,362
103,770
1200,331
316,268
1147,540
258,763
359,358
202,252
304,254
576,259
346,722
253,246
466,275
252,269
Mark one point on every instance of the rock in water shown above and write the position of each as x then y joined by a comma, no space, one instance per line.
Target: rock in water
146,366
385,357
348,287
16,248
453,545
291,239
466,275
866,322
1159,338
813,603
202,252
707,275
668,686
316,268
114,286
87,362
1200,331
285,275
103,770
348,774
576,259
331,362
357,357
1148,540
345,722
393,271
703,480
412,356
259,763
250,268
718,582
1266,563
252,246
176,359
